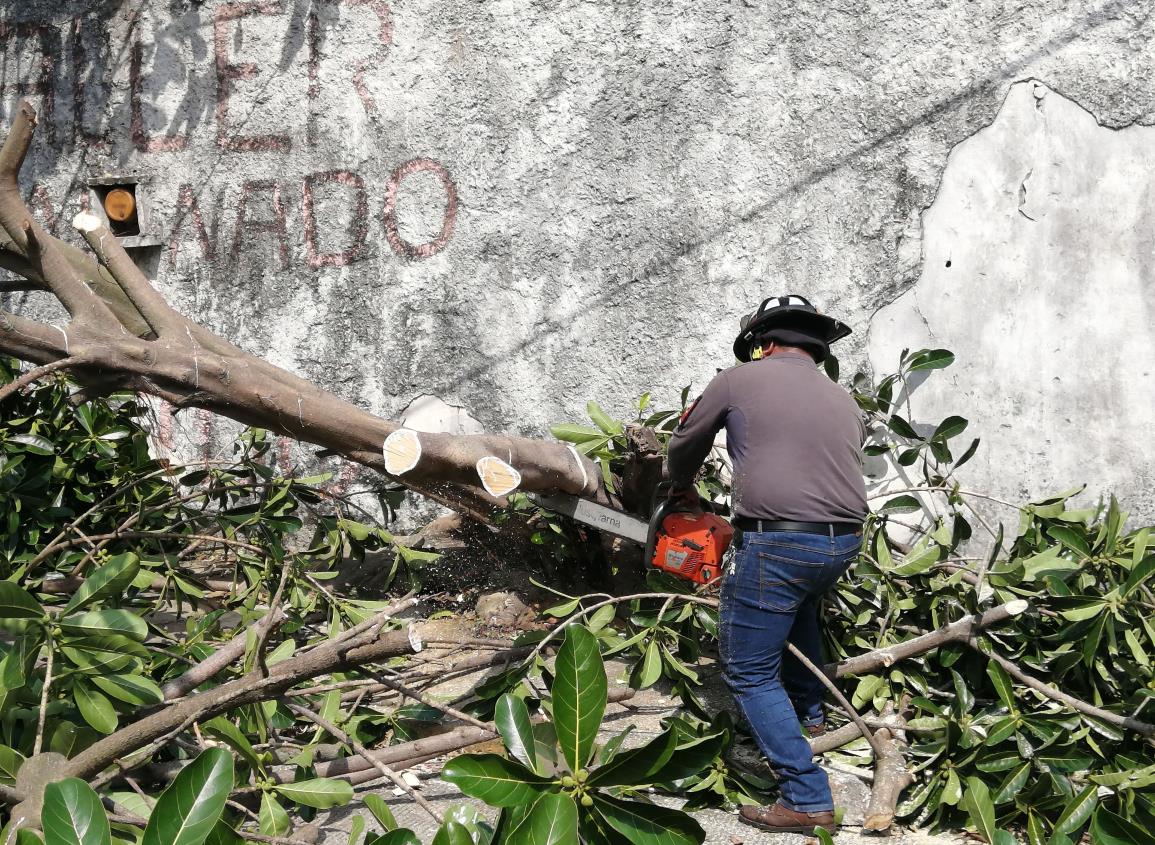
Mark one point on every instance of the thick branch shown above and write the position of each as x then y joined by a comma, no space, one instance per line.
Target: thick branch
865,731
144,297
1144,728
891,777
250,689
956,632
220,659
30,340
14,215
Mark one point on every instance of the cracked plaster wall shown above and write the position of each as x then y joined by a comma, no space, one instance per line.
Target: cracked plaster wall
1039,273
517,206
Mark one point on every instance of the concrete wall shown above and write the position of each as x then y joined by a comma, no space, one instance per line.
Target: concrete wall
516,206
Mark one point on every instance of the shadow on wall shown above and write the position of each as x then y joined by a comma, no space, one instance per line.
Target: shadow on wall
655,273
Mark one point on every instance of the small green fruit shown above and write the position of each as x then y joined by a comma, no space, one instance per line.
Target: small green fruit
587,801
581,775
568,782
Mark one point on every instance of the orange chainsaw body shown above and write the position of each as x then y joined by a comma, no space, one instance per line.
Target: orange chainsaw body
691,545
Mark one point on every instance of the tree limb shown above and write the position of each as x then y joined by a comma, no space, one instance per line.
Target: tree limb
1144,728
249,689
35,374
956,632
891,777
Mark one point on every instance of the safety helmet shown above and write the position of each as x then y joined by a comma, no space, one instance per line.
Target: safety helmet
792,315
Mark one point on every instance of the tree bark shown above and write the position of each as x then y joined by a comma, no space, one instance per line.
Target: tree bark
891,777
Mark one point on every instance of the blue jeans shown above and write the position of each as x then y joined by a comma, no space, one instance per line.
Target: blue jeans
770,596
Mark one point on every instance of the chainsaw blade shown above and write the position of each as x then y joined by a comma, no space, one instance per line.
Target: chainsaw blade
596,516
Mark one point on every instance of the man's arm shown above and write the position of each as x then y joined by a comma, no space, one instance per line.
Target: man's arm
694,436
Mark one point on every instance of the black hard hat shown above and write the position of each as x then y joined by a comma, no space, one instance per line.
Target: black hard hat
790,312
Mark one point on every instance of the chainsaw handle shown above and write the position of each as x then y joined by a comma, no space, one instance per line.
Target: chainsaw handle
656,519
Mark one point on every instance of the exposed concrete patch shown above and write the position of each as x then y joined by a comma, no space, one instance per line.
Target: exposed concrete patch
431,414
1038,274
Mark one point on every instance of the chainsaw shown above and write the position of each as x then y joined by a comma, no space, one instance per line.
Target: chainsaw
683,543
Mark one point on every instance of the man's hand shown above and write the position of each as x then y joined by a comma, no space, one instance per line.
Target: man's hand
685,499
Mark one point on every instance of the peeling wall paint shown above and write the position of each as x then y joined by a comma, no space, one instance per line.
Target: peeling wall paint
516,207
1039,272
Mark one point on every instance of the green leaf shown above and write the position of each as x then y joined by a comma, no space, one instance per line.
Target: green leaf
931,359
380,810
1084,610
691,758
570,433
559,611
648,824
274,821
16,603
551,821
650,668
579,695
902,428
10,762
452,833
968,454
512,719
187,811
1138,576
34,443
978,805
95,708
601,617
603,420
1110,829
397,836
131,689
901,504
950,427
321,793
111,579
97,623
1078,810
1070,537
1003,685
495,780
28,836
1013,784
823,836
636,766
73,815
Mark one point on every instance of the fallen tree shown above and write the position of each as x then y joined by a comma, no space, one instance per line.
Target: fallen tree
917,624
122,335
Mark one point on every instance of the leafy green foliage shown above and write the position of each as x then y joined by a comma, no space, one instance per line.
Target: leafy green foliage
570,790
73,815
987,750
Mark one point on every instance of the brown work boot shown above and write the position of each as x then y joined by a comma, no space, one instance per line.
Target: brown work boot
779,819
813,731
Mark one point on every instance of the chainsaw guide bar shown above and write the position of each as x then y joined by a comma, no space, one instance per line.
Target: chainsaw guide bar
596,516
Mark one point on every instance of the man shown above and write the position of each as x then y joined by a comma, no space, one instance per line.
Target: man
799,500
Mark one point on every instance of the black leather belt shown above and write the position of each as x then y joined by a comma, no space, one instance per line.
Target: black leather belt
831,529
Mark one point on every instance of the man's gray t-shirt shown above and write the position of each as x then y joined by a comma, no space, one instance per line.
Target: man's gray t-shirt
794,437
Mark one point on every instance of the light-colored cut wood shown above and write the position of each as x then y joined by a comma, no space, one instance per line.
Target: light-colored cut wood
402,451
497,477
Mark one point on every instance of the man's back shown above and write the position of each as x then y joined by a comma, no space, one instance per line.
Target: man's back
795,438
